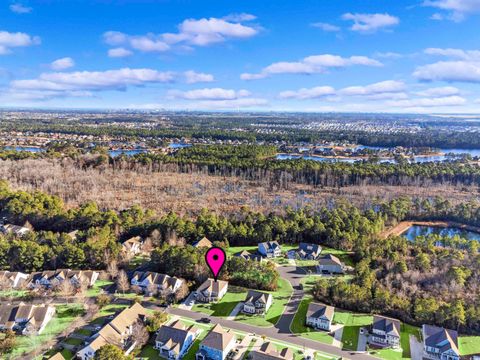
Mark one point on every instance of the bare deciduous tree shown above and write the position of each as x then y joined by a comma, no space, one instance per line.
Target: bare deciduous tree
122,281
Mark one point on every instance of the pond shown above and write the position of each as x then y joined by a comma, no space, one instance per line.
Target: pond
179,145
423,230
24,148
115,153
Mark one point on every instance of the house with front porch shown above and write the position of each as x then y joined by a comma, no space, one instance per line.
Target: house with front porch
385,332
211,291
257,302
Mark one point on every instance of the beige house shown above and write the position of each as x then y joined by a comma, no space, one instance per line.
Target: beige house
216,345
117,332
13,279
133,246
268,351
173,341
162,282
204,242
211,291
25,319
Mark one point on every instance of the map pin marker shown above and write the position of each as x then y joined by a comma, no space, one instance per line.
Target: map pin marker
215,259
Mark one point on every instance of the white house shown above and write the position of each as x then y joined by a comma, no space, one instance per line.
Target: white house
385,332
319,316
330,264
270,249
52,278
133,246
13,279
162,282
14,229
440,343
211,290
26,319
257,302
173,341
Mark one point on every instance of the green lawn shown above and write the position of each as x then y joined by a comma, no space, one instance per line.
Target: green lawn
236,249
298,325
64,316
13,293
352,323
280,299
97,288
469,345
404,353
111,309
225,306
85,332
148,352
343,255
73,341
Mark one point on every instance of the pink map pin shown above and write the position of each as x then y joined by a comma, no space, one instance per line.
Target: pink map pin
215,258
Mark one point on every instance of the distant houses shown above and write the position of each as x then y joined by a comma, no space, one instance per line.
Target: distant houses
211,291
117,332
268,351
385,332
149,281
216,345
249,256
319,316
173,341
53,278
440,343
203,243
309,251
25,319
330,264
132,246
14,229
270,249
13,279
257,302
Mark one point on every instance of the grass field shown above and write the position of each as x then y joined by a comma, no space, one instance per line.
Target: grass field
148,352
280,299
64,316
97,288
352,323
469,345
225,306
298,325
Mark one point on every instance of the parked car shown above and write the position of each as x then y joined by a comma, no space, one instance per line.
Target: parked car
205,320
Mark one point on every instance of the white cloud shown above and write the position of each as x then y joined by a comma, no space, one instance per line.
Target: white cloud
451,71
369,23
326,27
429,102
384,87
311,65
20,9
192,77
12,40
457,9
209,94
119,52
62,64
312,93
231,104
93,80
439,92
191,32
454,53
388,55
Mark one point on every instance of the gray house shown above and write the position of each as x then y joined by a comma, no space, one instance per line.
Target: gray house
249,256
440,343
309,251
320,316
385,332
330,264
173,341
257,302
270,249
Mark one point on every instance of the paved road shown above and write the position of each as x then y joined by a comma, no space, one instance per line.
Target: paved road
272,332
294,276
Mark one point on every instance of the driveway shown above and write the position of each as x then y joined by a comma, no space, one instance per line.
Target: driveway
235,311
294,275
188,303
416,348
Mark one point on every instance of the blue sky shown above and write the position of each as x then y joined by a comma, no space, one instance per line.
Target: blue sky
302,55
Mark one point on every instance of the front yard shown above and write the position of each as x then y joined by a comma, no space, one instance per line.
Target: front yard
298,326
352,323
280,299
469,345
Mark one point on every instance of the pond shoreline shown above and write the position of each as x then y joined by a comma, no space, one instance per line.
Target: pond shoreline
403,226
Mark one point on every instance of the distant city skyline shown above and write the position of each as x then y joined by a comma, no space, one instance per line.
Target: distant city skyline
306,55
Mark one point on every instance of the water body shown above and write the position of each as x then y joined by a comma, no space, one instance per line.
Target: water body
179,145
422,230
25,148
115,153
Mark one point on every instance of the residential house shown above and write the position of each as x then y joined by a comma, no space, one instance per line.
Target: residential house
268,351
132,246
249,256
257,302
440,343
385,332
270,249
52,278
149,280
319,316
13,279
204,242
173,341
211,290
330,264
57,356
14,229
216,345
117,332
309,251
25,319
